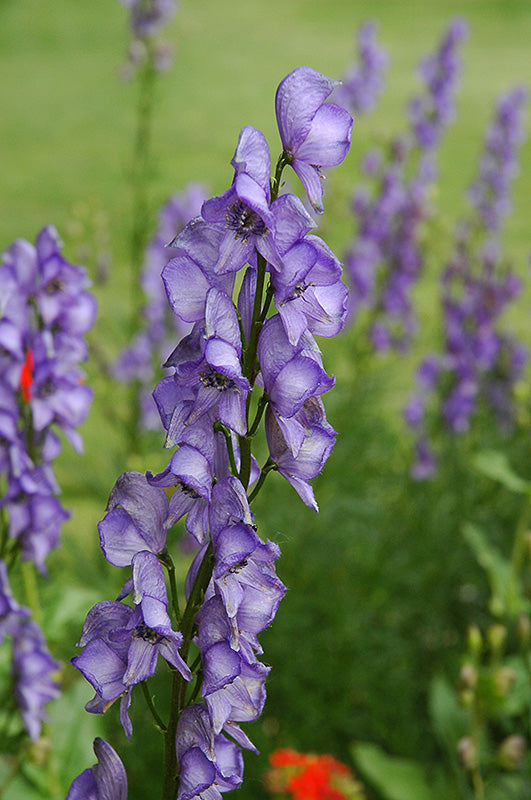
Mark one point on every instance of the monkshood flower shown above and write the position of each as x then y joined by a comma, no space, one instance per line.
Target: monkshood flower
121,644
106,780
314,134
385,259
209,764
363,83
136,520
254,329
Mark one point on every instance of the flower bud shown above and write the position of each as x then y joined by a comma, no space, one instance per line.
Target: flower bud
467,697
496,636
504,680
475,640
468,676
511,751
467,752
524,630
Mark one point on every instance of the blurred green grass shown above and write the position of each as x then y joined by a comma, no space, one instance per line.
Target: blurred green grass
376,602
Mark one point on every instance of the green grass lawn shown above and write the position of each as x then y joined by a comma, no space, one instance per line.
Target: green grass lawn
354,663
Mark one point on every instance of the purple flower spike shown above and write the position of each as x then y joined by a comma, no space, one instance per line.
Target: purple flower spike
106,780
314,135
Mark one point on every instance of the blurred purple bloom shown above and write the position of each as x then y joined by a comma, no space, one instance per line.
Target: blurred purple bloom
148,16
363,83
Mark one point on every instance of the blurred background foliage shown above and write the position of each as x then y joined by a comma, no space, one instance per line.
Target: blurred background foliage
382,584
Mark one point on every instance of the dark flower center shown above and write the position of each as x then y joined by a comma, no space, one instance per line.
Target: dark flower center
215,380
244,222
54,285
188,491
146,634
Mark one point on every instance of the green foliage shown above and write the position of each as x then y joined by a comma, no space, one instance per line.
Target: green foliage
395,778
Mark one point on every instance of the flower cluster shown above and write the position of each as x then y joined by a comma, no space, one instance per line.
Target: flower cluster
385,259
363,83
479,363
44,312
251,331
140,360
306,776
147,18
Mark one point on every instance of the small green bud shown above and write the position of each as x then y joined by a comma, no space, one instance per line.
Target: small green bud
475,640
467,697
496,636
467,753
512,751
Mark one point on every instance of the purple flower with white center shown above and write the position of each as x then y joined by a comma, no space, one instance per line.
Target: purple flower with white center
314,134
243,210
363,83
32,670
136,520
106,780
290,373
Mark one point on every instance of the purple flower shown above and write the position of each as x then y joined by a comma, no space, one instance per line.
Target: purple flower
291,373
32,669
363,83
314,134
148,16
243,210
136,519
208,764
106,780
121,644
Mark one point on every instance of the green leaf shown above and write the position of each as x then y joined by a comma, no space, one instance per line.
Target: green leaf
497,568
449,720
395,778
495,464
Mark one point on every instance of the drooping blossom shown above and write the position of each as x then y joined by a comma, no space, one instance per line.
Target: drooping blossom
314,134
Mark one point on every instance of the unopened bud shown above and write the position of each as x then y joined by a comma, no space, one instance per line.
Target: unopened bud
504,680
467,752
468,676
496,636
512,751
524,630
475,640
467,697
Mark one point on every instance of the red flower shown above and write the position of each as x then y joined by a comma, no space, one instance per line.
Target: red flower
26,376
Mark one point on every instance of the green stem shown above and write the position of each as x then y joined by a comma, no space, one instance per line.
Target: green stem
31,591
264,472
159,723
262,403
167,561
220,427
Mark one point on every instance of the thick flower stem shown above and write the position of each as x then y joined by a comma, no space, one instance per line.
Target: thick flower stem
178,692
